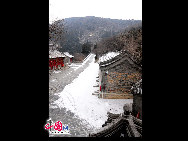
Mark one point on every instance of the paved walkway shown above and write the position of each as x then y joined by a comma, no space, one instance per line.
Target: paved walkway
57,82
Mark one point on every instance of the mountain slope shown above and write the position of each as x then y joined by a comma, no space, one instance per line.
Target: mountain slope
80,30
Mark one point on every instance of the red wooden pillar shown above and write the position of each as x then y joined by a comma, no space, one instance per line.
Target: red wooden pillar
59,61
62,62
51,64
54,63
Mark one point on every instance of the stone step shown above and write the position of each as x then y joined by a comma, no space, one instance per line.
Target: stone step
95,93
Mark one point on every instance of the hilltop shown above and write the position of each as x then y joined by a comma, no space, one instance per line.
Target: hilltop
81,30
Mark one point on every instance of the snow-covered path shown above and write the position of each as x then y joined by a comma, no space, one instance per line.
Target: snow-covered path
77,97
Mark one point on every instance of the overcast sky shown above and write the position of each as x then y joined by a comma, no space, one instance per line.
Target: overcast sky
114,9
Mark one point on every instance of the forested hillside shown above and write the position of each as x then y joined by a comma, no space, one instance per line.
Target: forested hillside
81,35
82,30
130,41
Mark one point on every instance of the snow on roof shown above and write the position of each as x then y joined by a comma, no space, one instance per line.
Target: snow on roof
55,54
108,63
68,55
108,56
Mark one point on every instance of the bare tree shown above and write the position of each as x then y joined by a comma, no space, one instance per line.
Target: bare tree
130,41
56,33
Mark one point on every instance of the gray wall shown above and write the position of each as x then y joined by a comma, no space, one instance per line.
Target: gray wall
137,105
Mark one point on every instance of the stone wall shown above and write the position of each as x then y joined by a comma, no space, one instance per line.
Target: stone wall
118,74
118,82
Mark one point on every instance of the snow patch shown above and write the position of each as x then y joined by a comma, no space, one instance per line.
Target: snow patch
57,71
53,80
108,56
77,97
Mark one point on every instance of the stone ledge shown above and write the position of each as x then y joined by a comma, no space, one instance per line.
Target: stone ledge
115,96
